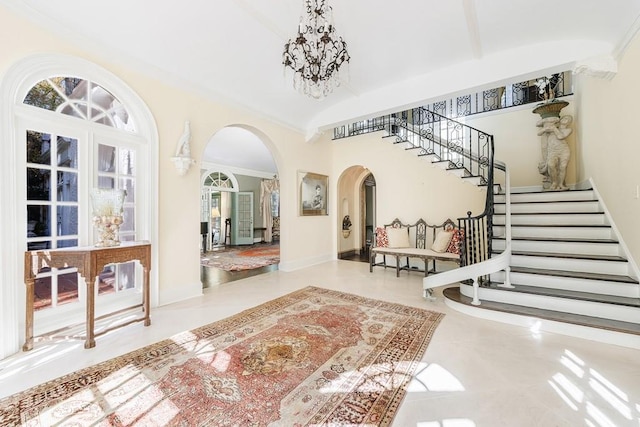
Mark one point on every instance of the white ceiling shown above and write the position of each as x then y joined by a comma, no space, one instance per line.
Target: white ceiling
403,53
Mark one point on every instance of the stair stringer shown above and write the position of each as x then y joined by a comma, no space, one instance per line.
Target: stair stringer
634,271
434,159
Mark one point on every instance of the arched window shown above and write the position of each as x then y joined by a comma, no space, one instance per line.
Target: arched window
72,126
215,204
219,181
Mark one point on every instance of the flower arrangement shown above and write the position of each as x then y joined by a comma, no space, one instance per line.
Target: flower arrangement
547,87
107,214
346,223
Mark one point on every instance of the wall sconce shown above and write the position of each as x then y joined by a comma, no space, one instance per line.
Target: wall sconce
182,160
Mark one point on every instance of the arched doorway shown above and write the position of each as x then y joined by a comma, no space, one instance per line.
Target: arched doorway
240,198
357,201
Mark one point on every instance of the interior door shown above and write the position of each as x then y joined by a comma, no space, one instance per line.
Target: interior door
242,218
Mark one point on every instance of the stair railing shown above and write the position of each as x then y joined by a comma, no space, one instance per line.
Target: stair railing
462,146
478,271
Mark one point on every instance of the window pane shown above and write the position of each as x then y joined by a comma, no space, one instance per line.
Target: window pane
107,280
67,288
42,293
127,162
67,220
38,184
126,276
72,87
38,148
120,117
101,97
106,182
67,243
106,158
67,152
129,219
43,95
129,186
38,220
36,246
75,109
67,187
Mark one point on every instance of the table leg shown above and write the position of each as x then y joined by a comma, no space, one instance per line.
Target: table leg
28,335
145,297
90,340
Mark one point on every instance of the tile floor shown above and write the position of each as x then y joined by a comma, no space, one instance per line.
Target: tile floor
475,372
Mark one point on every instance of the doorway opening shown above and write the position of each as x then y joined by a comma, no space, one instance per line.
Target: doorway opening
240,207
357,191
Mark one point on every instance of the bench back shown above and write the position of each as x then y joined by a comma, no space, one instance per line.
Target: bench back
421,234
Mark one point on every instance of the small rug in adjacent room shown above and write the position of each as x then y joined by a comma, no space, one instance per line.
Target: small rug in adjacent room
312,357
239,259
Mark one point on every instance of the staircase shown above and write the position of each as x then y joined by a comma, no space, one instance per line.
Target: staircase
563,266
567,264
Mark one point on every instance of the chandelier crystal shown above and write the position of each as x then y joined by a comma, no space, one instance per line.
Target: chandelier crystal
316,53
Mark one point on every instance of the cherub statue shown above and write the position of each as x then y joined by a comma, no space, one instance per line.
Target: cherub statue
555,150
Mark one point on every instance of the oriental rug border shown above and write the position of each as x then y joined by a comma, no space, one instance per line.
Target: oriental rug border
312,357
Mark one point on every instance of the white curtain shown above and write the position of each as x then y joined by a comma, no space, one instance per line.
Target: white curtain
267,186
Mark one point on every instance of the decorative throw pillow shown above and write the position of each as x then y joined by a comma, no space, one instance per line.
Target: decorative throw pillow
456,239
398,237
382,241
443,238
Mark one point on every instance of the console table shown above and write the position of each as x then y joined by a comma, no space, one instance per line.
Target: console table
90,261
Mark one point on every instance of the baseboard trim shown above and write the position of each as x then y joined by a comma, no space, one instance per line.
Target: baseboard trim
535,324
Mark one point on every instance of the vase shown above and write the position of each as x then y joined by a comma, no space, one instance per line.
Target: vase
550,109
107,215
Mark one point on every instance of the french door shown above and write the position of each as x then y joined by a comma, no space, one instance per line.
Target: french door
242,229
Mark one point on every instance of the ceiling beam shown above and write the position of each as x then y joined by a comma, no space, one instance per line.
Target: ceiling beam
471,16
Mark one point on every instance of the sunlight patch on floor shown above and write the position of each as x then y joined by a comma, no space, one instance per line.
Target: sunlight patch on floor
570,386
433,377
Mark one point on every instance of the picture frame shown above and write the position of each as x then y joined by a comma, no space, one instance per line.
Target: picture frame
313,193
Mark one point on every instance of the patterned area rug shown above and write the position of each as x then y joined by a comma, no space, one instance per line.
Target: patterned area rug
313,357
238,259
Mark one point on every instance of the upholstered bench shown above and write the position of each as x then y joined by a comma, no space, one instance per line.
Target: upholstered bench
421,240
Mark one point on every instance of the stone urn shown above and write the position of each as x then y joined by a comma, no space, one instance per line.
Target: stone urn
550,109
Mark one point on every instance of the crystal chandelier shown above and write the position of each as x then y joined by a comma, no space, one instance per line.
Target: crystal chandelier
317,53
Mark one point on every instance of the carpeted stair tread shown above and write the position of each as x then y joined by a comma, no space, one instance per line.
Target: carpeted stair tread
575,274
575,295
453,294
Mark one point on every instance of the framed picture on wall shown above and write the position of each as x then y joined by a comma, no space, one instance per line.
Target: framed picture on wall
313,192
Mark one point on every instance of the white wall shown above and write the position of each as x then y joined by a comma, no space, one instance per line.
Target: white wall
407,187
609,135
518,145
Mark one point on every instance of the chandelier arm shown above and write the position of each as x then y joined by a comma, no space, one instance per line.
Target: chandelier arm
317,53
